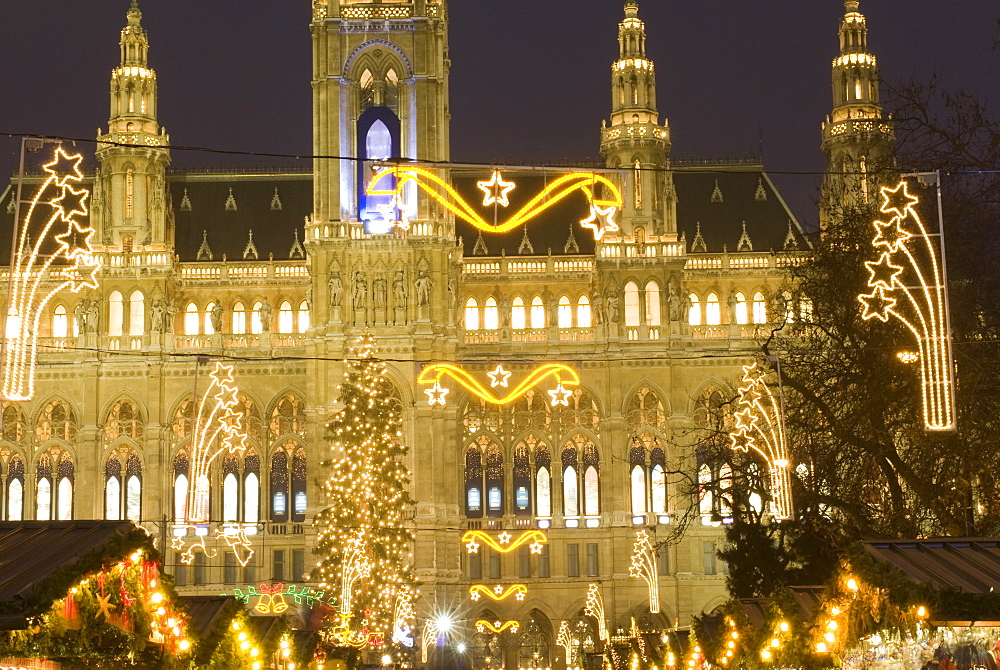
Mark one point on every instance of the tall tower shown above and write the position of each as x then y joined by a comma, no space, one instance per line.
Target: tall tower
130,203
635,140
380,90
857,138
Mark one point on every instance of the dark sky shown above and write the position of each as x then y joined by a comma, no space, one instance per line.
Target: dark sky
530,78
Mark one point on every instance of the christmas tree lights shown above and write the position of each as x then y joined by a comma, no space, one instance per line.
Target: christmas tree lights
53,219
759,425
363,548
907,282
602,210
564,376
595,608
644,567
504,544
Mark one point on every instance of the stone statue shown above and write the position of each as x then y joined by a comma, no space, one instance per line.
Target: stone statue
265,316
598,313
673,304
452,294
732,307
217,317
156,316
360,299
399,290
611,306
81,315
378,291
93,316
423,285
504,312
687,308
336,288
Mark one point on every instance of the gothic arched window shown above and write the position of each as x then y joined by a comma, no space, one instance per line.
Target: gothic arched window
133,488
286,318
299,501
571,500
303,317
251,488
637,477
57,421
60,322
543,481
494,481
182,465
742,315
759,308
583,314
15,489
116,314
256,318
633,315
207,326
124,420
658,481
713,311
591,480
537,313
471,314
239,319
279,486
230,489
474,482
694,313
521,481
565,312
288,417
136,314
491,315
191,319
113,488
652,303
43,489
517,315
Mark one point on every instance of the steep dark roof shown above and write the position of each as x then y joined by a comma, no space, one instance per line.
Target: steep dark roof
971,565
254,197
30,551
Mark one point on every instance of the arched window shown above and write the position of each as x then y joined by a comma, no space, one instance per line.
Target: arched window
288,417
805,310
571,500
543,482
473,483
583,315
494,481
286,318
637,462
60,322
694,314
705,501
658,482
591,481
517,315
251,489
136,314
124,420
116,314
239,319
636,169
15,489
789,305
471,314
303,316
43,489
565,312
133,488
537,313
64,494
713,312
208,328
742,315
230,489
632,314
181,468
652,303
256,323
57,421
279,486
759,308
191,318
299,501
521,481
113,488
491,315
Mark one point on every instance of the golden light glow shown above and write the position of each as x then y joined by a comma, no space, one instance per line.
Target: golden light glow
31,289
907,357
356,566
565,640
498,592
483,626
759,425
504,543
428,636
644,567
595,608
602,209
564,376
907,283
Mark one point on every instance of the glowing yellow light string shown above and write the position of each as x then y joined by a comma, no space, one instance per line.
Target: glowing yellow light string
595,608
483,626
30,290
356,565
602,211
503,543
758,425
644,567
403,614
428,636
565,640
498,593
564,376
924,312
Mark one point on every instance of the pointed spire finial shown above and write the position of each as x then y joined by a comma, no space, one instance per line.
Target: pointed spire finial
851,5
631,9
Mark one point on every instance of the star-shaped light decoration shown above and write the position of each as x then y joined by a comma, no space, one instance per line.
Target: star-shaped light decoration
495,190
480,628
883,272
71,203
222,375
75,241
475,596
560,395
536,547
601,220
177,544
83,274
498,377
104,606
740,439
504,537
519,595
472,546
436,394
898,200
891,235
64,167
514,628
498,589
747,418
877,305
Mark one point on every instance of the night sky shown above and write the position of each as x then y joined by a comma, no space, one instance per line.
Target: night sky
530,78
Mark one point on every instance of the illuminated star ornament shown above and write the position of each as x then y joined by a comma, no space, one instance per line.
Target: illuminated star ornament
758,424
496,190
908,282
498,592
644,567
52,253
563,375
505,542
392,181
595,608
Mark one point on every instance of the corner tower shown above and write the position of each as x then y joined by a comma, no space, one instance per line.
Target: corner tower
130,205
857,138
380,90
635,140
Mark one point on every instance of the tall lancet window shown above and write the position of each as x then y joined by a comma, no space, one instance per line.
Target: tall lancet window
637,183
378,139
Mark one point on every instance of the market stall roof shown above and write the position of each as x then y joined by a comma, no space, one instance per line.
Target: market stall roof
210,612
808,599
971,565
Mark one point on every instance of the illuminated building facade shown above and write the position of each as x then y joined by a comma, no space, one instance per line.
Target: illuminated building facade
280,270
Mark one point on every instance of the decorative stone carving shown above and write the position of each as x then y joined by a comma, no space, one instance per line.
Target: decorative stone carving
336,288
399,290
360,299
265,316
423,285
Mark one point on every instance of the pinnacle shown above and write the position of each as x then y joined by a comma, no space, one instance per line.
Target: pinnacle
851,5
631,9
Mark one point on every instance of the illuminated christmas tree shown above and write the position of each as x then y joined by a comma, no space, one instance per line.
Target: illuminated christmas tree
364,551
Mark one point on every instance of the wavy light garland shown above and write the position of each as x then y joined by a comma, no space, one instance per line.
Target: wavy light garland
498,592
644,567
503,543
483,626
31,288
564,376
907,283
759,425
600,221
595,608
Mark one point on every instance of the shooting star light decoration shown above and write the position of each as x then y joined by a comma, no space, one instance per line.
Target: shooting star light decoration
644,567
595,608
